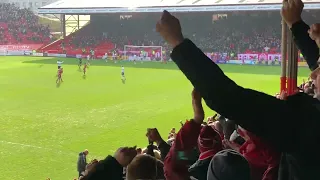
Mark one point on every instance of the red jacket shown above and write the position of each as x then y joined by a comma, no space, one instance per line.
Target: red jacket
175,164
190,136
263,158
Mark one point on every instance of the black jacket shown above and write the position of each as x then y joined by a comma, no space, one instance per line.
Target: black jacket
199,169
164,149
82,162
109,168
297,119
306,45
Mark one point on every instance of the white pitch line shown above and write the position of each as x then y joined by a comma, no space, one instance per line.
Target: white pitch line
23,145
36,147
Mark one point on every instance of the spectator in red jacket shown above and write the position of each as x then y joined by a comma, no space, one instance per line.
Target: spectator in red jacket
209,143
262,157
191,135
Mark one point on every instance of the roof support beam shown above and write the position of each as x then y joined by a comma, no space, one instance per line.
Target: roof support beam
196,1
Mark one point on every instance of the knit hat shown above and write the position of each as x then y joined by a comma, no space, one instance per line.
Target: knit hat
228,165
209,142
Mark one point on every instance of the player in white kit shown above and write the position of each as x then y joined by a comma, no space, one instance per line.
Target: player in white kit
92,54
122,71
88,59
59,63
123,78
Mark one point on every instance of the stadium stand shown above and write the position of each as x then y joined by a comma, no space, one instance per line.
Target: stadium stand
229,33
226,22
21,26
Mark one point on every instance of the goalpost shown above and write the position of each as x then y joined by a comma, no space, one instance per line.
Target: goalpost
3,52
143,53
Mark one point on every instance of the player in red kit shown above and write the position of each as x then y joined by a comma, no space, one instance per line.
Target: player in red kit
85,68
59,74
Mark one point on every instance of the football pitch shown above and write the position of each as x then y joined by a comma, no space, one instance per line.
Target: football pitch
45,126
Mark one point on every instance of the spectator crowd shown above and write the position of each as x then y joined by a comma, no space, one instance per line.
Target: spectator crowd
259,137
230,33
21,26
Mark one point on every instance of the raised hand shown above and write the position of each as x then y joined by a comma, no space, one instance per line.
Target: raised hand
153,135
291,11
170,29
283,95
197,107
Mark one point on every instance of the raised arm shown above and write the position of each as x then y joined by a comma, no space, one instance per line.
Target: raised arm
291,13
251,109
175,164
305,44
248,108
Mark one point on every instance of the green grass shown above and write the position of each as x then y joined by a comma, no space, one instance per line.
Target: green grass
43,127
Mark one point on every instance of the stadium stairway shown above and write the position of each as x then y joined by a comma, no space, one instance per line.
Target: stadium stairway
56,45
47,45
100,49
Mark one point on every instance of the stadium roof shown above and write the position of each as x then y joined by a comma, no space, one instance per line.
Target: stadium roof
121,6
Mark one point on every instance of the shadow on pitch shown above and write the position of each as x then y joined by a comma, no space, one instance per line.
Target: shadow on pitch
227,68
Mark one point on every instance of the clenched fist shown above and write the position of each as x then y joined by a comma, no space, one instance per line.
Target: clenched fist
170,29
154,135
291,11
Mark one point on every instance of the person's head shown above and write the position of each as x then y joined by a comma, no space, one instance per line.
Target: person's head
139,150
86,152
210,119
173,130
171,135
228,165
208,140
145,167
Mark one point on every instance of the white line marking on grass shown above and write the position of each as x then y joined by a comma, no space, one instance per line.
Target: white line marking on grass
23,145
36,147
